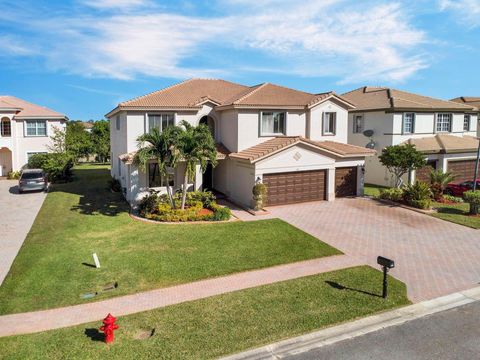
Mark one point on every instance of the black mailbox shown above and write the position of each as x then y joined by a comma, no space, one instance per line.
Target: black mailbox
382,261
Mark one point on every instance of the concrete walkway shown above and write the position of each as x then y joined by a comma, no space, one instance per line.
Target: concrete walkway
38,321
17,213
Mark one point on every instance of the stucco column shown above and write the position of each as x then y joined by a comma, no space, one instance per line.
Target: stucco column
360,179
198,178
331,184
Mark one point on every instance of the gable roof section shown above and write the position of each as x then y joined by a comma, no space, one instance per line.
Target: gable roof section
25,109
444,144
468,100
280,143
382,98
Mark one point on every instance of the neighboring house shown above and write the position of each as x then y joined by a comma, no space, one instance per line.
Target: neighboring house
444,130
88,125
25,130
295,142
471,101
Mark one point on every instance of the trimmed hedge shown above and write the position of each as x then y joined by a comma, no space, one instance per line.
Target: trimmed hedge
473,198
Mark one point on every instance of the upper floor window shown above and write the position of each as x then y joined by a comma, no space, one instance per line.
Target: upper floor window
160,121
466,122
117,122
358,124
329,123
408,123
31,153
272,123
444,123
36,127
6,127
157,180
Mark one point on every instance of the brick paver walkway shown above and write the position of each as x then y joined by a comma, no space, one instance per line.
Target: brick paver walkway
31,322
433,257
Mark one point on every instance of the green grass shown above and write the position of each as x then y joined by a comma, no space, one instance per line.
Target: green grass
373,190
456,213
222,324
83,217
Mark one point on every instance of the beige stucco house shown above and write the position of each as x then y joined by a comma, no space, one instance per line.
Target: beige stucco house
295,142
445,131
25,129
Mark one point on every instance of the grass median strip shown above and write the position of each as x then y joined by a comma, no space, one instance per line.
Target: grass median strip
222,324
54,266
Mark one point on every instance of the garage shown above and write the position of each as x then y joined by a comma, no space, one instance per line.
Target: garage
295,187
464,170
423,174
346,181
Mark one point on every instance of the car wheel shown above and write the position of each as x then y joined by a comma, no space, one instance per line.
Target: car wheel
20,191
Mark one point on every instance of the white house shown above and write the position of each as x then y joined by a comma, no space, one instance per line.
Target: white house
471,101
444,130
25,130
295,142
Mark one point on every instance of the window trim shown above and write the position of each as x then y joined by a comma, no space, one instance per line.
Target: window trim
469,122
5,120
170,172
117,122
25,128
33,152
148,114
413,123
355,130
334,132
436,122
265,134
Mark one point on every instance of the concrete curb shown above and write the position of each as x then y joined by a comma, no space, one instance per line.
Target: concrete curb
360,327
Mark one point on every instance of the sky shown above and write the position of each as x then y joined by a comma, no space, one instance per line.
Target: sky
83,57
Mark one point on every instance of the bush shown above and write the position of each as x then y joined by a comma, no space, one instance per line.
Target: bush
473,198
259,192
454,199
418,195
439,180
57,166
221,213
13,175
114,185
393,194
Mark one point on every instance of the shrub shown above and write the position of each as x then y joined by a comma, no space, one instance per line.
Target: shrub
418,195
221,213
149,203
393,194
454,199
439,180
259,192
13,175
114,185
57,166
473,198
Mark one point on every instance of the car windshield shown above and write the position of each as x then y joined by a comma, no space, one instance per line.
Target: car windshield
32,175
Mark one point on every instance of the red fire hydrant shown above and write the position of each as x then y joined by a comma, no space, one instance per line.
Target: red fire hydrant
108,327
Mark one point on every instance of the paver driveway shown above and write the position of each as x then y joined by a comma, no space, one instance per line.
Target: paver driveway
17,213
433,257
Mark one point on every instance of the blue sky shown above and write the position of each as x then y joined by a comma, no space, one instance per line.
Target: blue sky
82,57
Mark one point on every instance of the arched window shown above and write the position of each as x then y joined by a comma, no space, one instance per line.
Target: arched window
6,127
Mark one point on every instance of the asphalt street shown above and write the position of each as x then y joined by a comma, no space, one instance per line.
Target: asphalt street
452,334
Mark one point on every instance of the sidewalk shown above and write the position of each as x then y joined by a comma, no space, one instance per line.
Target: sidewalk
25,323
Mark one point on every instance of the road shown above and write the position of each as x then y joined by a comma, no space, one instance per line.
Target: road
452,334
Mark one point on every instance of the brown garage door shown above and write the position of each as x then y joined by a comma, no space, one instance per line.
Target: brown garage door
464,170
295,187
346,181
423,174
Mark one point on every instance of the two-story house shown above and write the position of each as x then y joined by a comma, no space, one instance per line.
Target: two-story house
444,130
25,129
294,142
471,101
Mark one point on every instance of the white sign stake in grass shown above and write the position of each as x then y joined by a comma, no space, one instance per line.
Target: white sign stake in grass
97,262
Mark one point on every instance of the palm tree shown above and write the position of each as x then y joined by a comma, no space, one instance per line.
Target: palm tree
160,146
439,180
196,146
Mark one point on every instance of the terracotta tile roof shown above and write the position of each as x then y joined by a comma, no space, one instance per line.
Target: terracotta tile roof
468,100
443,143
381,98
222,153
276,144
27,109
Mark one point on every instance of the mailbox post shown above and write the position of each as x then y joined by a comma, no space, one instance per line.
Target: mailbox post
386,264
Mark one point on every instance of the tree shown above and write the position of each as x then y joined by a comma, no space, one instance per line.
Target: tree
100,138
77,140
159,146
439,180
196,146
58,141
401,159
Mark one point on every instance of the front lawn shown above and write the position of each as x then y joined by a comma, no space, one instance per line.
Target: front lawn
373,190
224,324
457,213
54,266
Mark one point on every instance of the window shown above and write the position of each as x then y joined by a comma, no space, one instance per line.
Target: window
273,123
117,122
329,123
408,123
466,122
160,121
357,124
156,180
30,154
36,127
444,123
6,127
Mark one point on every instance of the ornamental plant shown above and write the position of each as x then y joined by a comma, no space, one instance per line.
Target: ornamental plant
401,159
473,198
259,192
439,180
418,195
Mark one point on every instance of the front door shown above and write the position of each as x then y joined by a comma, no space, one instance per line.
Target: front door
207,179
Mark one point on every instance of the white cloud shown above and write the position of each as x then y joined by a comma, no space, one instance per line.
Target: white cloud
116,4
12,46
370,41
466,11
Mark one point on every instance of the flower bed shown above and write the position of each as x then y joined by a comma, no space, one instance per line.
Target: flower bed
199,206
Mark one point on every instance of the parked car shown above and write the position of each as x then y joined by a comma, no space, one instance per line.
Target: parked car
32,179
457,189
